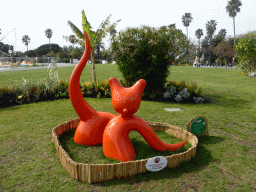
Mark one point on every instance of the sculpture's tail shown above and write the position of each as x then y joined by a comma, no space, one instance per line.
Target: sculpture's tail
117,145
173,147
91,127
82,108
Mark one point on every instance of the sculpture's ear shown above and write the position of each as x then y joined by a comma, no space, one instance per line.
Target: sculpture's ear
115,84
140,86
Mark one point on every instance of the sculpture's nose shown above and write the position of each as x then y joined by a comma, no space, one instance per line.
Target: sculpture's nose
125,111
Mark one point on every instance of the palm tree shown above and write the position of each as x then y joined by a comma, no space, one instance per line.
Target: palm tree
232,8
219,37
48,34
199,34
210,28
186,19
26,39
95,37
222,33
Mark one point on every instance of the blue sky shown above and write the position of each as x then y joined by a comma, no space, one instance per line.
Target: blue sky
32,18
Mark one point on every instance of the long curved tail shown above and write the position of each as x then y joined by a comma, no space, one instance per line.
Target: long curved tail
82,108
91,127
117,145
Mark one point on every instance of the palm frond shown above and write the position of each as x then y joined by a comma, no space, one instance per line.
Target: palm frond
87,27
77,31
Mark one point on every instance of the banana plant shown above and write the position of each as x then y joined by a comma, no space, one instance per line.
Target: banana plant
94,36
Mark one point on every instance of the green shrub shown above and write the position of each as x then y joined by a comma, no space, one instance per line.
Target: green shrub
246,52
66,60
146,53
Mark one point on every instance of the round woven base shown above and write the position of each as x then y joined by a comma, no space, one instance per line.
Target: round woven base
99,172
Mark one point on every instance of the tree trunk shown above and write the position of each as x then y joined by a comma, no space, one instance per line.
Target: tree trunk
187,45
234,35
199,49
210,51
234,31
50,45
93,65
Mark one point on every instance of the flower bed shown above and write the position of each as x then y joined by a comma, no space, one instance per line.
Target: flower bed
51,89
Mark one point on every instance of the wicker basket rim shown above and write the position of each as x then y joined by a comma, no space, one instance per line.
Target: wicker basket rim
151,124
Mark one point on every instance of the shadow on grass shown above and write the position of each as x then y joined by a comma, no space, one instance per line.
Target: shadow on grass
227,101
199,162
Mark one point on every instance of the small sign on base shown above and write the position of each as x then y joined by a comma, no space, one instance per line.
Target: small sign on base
198,126
156,163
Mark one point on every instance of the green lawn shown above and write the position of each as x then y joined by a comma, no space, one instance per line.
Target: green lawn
225,160
102,72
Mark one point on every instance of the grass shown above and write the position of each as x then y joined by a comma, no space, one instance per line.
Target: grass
89,154
103,72
225,160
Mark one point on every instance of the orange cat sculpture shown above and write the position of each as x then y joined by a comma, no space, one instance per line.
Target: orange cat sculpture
126,101
106,128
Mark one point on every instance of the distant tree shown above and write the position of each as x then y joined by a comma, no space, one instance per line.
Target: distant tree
108,54
210,28
51,54
0,32
26,39
77,53
95,37
219,37
4,49
222,33
205,48
199,34
65,54
98,47
224,50
31,53
232,8
72,39
186,20
45,49
48,34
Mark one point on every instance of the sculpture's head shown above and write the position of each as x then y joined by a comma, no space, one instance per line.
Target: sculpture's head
126,101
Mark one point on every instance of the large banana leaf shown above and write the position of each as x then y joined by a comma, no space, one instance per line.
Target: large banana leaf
87,27
78,33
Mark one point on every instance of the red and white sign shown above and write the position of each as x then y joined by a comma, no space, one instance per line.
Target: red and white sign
156,163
